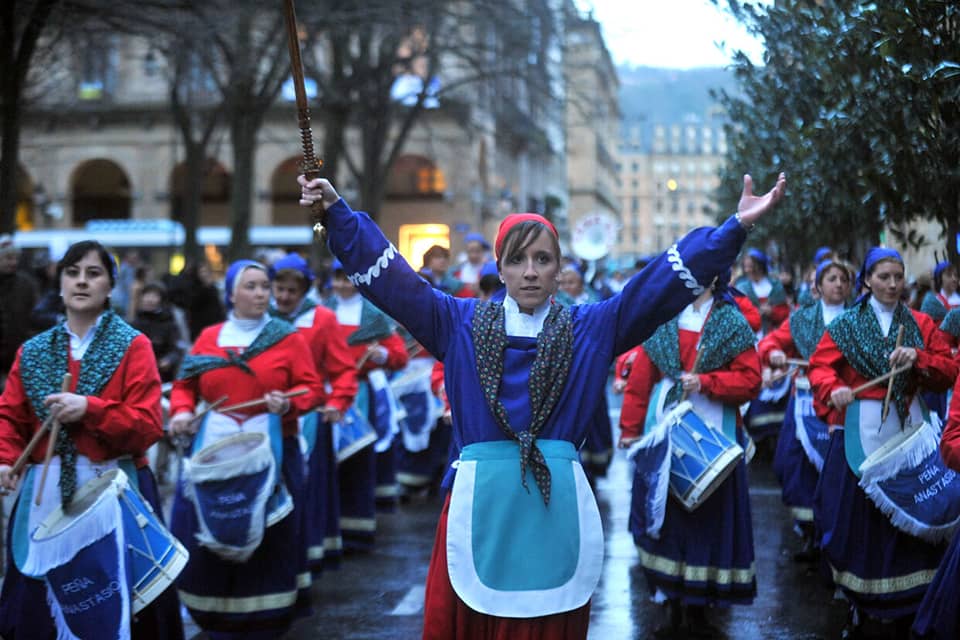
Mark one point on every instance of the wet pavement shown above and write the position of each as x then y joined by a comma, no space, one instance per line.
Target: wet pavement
379,596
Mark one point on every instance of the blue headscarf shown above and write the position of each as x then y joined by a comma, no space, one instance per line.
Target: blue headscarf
821,253
874,255
822,266
761,257
489,269
938,274
233,278
476,237
293,262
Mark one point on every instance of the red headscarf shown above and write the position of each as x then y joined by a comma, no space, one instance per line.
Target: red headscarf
513,220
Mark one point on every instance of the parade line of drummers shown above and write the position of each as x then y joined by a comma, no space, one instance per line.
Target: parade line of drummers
296,420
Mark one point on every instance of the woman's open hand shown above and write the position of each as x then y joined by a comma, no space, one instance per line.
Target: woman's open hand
751,208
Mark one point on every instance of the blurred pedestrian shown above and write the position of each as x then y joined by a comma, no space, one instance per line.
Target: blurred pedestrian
18,292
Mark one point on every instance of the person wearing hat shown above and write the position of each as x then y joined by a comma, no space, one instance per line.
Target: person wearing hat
368,478
882,569
944,295
249,357
807,292
572,290
766,293
799,454
478,255
701,558
524,375
18,292
110,417
291,280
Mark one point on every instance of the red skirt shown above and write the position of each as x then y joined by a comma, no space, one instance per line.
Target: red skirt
446,617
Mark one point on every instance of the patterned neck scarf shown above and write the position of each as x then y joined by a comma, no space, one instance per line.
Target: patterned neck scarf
806,327
374,324
858,335
933,306
951,323
548,375
777,293
725,335
45,360
195,364
305,305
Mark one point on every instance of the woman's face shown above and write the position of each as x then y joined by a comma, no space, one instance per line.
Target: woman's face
949,280
834,285
571,282
252,294
886,281
531,273
342,286
85,285
749,267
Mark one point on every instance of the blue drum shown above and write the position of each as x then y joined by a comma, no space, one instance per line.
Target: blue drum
701,457
351,434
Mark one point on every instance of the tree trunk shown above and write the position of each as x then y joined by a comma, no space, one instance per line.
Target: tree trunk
9,154
195,165
243,134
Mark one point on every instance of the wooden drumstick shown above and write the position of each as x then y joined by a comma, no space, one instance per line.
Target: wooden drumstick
210,407
254,403
696,365
52,443
886,399
798,362
877,380
366,356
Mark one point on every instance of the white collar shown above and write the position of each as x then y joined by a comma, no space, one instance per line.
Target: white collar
830,311
884,314
522,324
78,344
690,319
953,299
241,332
349,310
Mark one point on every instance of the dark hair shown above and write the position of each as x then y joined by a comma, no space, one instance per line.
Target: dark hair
291,275
436,251
938,277
490,284
521,236
79,250
157,288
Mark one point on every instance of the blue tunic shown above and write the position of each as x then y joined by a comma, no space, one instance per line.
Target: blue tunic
443,323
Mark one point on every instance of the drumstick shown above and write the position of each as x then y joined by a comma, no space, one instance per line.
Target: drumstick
876,381
886,399
696,365
259,401
781,375
798,362
210,407
52,443
366,356
28,450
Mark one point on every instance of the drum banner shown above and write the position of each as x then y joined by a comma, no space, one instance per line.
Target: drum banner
652,456
812,432
387,411
85,570
508,553
422,407
907,480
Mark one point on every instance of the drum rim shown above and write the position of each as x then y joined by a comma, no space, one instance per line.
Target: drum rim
893,445
197,458
111,478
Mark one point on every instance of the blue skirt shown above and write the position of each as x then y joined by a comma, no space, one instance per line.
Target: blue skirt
797,475
25,615
703,557
261,596
939,615
764,418
883,571
322,513
388,490
422,469
358,518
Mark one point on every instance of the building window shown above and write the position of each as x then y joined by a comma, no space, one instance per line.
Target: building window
97,73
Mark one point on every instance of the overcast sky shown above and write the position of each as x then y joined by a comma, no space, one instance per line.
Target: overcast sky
678,34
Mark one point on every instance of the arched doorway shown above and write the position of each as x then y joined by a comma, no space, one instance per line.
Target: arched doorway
215,197
101,190
285,195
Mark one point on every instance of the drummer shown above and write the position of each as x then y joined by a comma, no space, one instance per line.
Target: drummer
368,478
318,326
766,293
522,376
249,357
110,417
939,615
797,338
707,354
882,570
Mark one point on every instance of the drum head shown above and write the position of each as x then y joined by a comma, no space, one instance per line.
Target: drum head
86,496
230,448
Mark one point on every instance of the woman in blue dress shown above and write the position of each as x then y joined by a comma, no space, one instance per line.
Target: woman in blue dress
523,375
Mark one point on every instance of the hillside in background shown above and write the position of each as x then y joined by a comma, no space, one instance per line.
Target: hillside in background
650,94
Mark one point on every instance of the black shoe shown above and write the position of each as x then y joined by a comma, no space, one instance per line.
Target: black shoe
673,629
699,627
808,552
